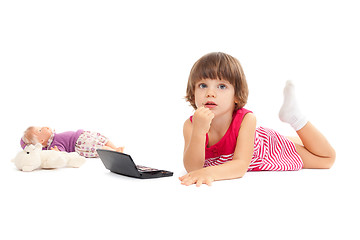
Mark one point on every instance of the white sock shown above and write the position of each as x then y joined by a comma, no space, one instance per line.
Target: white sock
290,112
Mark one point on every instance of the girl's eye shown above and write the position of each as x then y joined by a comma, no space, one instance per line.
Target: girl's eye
222,86
202,85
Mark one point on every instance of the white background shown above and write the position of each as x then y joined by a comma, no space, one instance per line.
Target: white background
121,68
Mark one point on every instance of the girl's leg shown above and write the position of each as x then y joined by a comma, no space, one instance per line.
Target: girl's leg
296,140
314,149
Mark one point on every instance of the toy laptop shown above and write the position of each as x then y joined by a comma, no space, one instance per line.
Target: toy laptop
123,164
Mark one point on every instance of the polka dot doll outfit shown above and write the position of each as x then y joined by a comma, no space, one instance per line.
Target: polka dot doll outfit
272,151
88,142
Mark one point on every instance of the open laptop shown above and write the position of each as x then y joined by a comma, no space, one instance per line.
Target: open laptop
123,164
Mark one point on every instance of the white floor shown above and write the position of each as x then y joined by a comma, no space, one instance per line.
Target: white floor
91,202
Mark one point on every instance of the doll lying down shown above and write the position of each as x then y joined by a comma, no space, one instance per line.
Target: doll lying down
83,142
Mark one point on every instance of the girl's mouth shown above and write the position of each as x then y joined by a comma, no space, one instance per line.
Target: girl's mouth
210,104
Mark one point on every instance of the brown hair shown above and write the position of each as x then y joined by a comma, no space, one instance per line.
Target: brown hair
220,66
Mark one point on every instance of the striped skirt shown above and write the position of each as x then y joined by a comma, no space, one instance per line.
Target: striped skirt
274,152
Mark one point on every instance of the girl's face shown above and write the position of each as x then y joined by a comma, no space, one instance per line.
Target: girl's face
42,134
217,95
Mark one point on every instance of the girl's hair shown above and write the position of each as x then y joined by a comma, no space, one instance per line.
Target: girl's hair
220,66
29,137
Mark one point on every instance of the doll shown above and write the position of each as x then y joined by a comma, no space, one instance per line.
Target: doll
83,142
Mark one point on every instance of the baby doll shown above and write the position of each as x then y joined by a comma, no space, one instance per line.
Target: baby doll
83,142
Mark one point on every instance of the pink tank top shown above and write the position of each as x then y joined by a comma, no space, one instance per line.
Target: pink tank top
223,150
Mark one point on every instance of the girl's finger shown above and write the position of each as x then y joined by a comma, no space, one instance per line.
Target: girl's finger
199,182
208,182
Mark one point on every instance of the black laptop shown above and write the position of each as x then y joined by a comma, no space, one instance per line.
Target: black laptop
123,164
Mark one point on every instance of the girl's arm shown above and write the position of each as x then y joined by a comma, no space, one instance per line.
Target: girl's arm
232,169
195,138
194,151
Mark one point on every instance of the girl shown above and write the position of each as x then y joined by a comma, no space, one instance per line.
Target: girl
83,142
221,138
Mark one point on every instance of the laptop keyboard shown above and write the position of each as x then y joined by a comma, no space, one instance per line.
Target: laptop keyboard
146,169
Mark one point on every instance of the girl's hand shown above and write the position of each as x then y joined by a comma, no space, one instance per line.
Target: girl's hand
202,119
197,177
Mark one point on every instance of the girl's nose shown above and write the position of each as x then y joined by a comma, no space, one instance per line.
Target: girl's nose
210,93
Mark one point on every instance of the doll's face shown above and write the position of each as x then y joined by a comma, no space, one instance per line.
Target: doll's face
42,134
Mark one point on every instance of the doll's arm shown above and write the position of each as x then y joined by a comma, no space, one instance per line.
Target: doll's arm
59,148
55,148
232,169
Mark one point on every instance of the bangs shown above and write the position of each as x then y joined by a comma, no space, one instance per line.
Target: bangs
214,66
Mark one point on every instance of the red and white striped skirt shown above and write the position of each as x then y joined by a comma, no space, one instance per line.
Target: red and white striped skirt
274,152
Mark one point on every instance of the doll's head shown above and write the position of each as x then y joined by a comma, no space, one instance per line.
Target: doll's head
34,135
220,66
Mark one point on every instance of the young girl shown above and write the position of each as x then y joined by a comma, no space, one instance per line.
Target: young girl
83,142
221,138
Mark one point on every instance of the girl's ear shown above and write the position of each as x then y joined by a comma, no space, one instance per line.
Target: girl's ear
237,101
